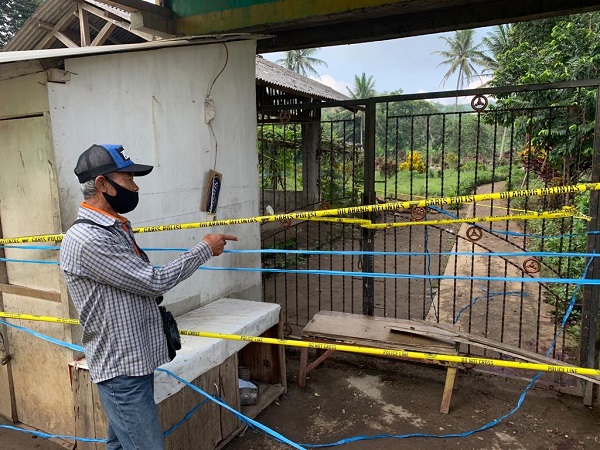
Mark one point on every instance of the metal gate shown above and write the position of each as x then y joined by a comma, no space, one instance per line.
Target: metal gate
407,148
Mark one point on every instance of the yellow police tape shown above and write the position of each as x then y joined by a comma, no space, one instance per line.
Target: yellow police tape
573,189
352,349
567,212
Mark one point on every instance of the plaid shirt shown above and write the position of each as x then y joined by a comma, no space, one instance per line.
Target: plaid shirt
114,288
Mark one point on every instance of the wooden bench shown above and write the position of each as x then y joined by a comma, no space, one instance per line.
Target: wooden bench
379,332
212,365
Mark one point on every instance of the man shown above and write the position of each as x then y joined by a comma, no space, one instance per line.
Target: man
115,290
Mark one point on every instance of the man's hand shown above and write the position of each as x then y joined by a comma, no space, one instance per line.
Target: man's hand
217,242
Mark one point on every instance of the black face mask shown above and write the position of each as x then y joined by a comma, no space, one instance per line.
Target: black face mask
124,201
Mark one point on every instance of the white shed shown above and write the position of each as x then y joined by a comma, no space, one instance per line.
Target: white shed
152,98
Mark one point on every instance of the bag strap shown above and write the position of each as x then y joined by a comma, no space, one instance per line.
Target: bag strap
91,222
110,229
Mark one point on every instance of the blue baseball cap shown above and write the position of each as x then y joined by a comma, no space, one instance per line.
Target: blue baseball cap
106,158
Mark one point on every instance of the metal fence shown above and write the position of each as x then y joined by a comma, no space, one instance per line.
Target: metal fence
407,148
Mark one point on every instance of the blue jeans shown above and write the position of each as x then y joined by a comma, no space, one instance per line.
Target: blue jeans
132,416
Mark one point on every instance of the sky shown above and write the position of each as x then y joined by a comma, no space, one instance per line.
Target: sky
408,64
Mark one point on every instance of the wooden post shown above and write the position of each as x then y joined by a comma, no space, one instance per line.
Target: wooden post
589,311
311,138
8,405
368,235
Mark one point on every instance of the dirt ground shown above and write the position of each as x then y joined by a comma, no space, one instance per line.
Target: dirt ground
353,395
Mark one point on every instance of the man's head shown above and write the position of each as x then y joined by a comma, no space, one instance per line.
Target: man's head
104,159
106,176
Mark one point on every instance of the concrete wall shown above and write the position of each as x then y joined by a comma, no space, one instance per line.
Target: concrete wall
154,104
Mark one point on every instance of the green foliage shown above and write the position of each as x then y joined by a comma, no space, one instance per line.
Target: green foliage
387,167
555,240
364,87
279,157
340,169
302,61
13,14
557,49
462,57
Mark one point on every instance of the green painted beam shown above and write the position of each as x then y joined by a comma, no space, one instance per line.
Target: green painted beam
316,23
206,17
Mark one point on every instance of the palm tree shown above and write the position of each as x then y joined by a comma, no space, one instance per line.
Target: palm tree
462,56
302,61
496,42
363,87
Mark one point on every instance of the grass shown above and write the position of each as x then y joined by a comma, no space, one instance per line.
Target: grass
448,183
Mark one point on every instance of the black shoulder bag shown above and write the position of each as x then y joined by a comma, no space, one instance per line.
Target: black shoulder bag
170,329
169,323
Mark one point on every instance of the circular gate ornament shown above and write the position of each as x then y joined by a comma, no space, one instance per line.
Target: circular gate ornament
325,205
286,223
474,234
418,213
479,103
531,265
287,329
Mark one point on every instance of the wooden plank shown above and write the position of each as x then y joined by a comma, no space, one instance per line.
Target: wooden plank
84,28
448,388
30,292
86,409
462,337
265,362
229,387
103,34
8,406
371,331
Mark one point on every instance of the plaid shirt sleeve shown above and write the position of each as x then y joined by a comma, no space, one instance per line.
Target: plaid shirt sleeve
107,261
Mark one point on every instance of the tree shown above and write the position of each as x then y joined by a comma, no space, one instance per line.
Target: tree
462,56
302,61
497,43
363,87
13,14
544,51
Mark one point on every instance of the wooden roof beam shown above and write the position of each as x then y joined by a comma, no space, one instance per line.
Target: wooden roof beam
65,39
62,23
84,29
103,35
153,24
117,21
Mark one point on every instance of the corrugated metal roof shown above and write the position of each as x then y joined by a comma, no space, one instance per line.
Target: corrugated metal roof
52,11
271,74
28,36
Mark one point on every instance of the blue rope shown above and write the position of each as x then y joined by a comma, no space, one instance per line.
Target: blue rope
576,281
490,296
78,348
351,252
239,415
431,294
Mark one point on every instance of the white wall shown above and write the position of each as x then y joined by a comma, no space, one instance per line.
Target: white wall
152,102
